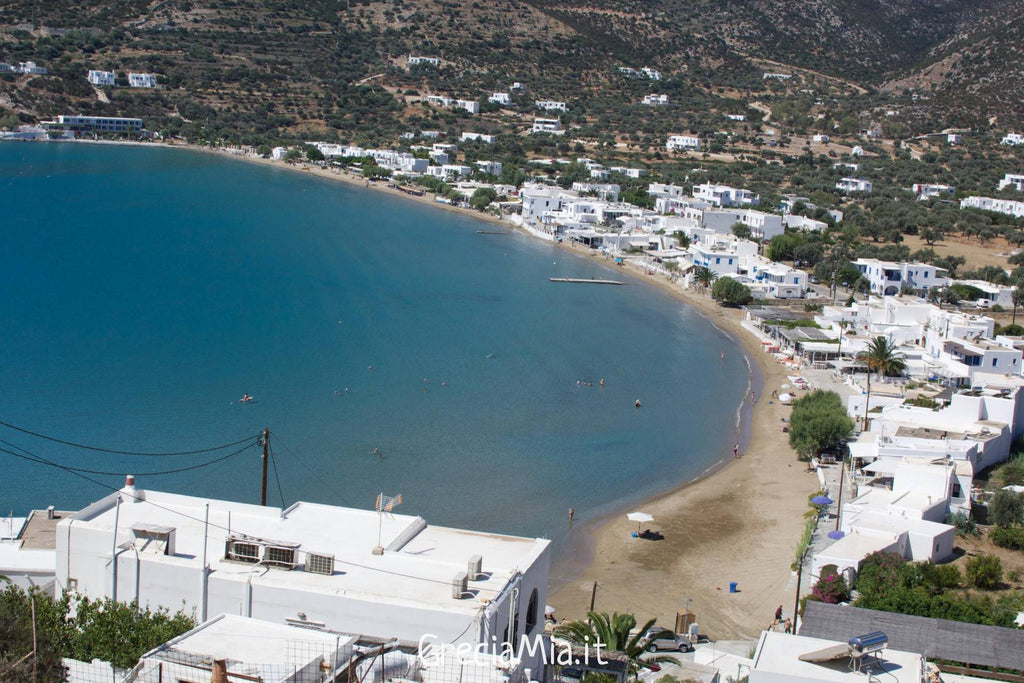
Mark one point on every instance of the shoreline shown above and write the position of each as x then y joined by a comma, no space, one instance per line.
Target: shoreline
714,524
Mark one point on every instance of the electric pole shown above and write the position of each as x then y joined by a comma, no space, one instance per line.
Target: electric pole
266,457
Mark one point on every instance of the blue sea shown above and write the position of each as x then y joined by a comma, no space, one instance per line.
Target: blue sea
146,290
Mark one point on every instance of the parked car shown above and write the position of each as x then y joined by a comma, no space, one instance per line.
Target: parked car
657,639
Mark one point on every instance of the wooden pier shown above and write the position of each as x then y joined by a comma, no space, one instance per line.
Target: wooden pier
585,281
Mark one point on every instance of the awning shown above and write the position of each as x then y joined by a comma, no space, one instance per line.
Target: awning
882,466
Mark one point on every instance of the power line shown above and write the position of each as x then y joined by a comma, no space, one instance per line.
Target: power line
43,461
35,458
117,452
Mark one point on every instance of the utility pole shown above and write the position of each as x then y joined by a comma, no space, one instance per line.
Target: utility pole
839,499
799,576
593,597
35,644
266,457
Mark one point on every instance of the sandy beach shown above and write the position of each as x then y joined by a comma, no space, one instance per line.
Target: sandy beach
740,522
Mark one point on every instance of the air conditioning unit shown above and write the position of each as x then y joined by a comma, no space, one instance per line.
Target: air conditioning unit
460,586
475,567
280,556
241,550
319,564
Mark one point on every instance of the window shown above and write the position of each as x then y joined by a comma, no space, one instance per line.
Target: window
531,612
995,362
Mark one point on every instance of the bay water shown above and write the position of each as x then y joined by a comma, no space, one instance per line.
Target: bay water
145,290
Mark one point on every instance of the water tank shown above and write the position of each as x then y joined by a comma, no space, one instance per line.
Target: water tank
871,642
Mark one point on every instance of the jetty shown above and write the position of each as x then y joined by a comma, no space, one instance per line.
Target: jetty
493,232
587,281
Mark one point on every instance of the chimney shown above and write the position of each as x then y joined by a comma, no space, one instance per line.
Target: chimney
129,488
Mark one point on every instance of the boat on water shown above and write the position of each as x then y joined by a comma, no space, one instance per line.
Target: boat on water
246,398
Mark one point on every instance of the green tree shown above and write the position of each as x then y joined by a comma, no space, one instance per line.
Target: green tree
1006,508
818,423
16,639
880,356
741,230
615,633
313,153
931,235
264,151
730,291
293,155
482,197
984,571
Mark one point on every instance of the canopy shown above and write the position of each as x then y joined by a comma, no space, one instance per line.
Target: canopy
836,535
548,609
881,466
821,500
785,398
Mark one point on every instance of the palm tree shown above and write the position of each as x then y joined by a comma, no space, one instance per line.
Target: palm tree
880,356
615,633
704,276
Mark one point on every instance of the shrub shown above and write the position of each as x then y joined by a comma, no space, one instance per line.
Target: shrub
1006,508
984,571
730,291
964,523
831,589
1011,537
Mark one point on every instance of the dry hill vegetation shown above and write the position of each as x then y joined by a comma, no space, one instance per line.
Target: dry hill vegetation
252,70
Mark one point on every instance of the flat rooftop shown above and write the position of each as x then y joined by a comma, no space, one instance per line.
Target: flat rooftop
40,533
779,653
419,561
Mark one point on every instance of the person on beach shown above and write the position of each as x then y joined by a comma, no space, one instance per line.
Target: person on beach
736,451
778,614
788,625
572,514
723,356
753,397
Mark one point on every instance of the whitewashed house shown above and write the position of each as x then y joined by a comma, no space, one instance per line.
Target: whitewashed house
1005,206
491,167
682,142
628,172
1012,180
478,137
854,185
888,278
991,294
820,138
722,254
954,138
141,80
502,98
102,78
430,61
355,571
654,100
927,190
652,74
724,196
550,105
1013,139
552,126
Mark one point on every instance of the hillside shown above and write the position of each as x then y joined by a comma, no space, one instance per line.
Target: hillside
252,70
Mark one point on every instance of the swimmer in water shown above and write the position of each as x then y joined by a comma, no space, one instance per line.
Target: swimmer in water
637,404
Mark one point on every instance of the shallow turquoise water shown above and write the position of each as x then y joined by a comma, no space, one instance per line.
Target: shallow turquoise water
145,290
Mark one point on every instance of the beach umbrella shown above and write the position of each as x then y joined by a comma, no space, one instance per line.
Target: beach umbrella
548,609
836,535
821,500
639,518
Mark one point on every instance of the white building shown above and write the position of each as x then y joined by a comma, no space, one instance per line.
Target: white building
654,100
797,222
606,191
491,167
724,196
857,151
854,185
682,142
478,137
782,281
553,126
1014,180
888,277
500,98
31,69
1006,206
736,117
776,77
432,61
954,138
102,78
1013,139
820,138
539,200
722,254
550,105
628,172
992,294
652,74
926,191
24,560
141,80
449,171
355,571
94,124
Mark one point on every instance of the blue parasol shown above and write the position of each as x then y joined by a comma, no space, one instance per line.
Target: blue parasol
836,535
821,500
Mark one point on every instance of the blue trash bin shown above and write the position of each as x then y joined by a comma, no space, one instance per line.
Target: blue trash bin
732,586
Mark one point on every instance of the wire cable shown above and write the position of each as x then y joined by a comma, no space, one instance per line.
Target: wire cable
117,452
43,461
35,458
273,461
